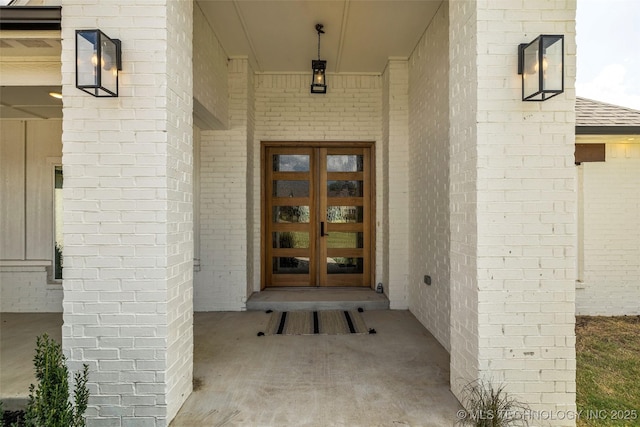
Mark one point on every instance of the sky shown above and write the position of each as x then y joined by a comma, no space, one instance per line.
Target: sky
608,55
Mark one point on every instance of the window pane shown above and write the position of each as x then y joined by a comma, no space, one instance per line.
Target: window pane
340,265
290,265
57,225
291,188
345,214
345,189
291,239
291,163
289,214
345,240
345,163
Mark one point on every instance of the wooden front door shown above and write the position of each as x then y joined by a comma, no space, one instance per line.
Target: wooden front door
317,216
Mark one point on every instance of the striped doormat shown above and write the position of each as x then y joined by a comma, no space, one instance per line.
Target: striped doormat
326,322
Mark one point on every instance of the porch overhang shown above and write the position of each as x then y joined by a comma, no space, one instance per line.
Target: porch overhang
30,17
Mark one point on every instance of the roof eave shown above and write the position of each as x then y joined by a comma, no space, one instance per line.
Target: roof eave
607,130
30,17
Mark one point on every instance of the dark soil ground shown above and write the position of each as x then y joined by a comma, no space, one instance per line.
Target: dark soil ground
12,418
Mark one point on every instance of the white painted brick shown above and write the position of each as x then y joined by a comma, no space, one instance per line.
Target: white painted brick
505,158
118,195
209,69
428,170
516,154
274,107
26,289
286,111
222,282
395,120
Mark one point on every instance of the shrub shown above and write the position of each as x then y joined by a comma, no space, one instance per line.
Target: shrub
50,403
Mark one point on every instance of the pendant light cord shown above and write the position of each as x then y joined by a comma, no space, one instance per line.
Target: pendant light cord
319,29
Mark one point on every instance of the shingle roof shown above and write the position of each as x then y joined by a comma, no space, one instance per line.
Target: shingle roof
595,113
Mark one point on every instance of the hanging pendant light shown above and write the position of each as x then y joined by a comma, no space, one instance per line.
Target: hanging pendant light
319,67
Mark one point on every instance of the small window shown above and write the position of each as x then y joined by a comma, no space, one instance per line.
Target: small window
57,223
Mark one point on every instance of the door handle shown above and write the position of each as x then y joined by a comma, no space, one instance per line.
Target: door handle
322,233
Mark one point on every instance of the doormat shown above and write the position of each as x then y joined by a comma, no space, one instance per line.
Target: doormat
325,322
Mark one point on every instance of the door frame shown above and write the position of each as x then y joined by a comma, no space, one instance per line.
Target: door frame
316,144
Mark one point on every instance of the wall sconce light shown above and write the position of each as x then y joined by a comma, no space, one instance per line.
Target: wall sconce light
319,67
98,60
541,64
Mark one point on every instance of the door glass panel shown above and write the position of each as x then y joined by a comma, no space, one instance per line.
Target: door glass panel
291,188
345,214
345,240
345,163
342,265
290,265
345,188
289,214
291,163
291,239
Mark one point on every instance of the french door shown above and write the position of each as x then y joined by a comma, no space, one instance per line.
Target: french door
317,216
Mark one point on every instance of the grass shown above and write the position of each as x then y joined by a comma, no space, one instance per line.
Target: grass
608,371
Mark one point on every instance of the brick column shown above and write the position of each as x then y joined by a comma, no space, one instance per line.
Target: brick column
128,214
513,208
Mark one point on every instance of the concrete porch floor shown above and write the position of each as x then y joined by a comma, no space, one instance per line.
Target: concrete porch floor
399,376
18,332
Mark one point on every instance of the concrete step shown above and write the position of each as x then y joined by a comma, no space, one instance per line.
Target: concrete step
291,299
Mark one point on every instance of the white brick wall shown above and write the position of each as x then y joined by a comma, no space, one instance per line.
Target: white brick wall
428,203
286,111
179,173
210,80
396,185
253,206
230,166
128,214
610,210
463,99
26,289
383,171
222,282
513,313
128,198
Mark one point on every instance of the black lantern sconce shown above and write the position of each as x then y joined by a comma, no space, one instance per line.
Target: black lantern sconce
541,64
319,67
98,60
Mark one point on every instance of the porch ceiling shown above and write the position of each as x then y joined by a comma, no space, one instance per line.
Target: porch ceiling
32,53
29,102
360,35
278,36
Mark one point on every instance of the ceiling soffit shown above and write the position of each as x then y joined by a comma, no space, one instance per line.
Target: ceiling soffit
280,36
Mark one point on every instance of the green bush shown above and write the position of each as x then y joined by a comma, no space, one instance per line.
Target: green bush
50,403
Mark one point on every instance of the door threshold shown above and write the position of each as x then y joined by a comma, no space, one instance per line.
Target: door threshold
291,299
318,288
